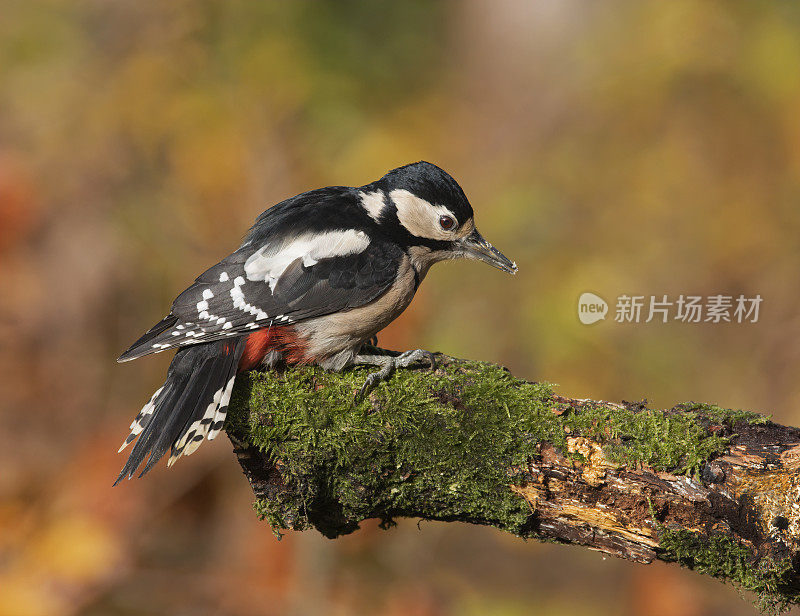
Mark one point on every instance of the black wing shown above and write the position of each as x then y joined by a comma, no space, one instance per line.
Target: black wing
225,302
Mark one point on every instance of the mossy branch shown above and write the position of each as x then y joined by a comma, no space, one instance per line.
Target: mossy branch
715,490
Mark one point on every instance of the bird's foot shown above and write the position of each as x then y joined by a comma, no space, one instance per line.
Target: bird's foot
388,364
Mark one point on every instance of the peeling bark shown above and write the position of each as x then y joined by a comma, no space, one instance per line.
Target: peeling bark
734,515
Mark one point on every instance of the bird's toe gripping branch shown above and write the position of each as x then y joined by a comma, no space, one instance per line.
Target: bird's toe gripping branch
388,364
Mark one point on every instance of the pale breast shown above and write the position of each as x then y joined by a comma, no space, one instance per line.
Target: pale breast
349,329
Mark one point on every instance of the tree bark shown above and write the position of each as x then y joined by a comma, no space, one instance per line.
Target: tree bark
715,490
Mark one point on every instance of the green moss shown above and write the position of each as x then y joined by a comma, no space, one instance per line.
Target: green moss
405,440
675,441
723,558
720,414
454,439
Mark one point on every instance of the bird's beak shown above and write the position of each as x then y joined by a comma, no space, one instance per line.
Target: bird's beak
474,246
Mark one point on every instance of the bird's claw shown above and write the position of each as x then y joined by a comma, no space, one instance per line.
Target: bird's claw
409,358
369,383
389,364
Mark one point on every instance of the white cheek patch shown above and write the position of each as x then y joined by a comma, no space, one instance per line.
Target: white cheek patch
269,262
420,217
373,203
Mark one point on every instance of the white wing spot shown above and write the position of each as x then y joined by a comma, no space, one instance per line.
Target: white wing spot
207,294
223,277
239,302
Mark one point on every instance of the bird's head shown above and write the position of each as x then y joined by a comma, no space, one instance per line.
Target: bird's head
425,209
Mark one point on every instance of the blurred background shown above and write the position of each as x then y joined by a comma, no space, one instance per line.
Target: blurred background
623,147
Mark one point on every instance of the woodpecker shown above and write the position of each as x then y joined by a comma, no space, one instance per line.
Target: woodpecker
317,277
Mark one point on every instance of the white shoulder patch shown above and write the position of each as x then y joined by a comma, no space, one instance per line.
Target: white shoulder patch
269,262
373,202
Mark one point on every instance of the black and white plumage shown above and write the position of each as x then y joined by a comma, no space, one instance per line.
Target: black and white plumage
317,276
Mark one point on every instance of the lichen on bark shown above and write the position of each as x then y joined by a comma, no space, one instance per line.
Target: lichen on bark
470,442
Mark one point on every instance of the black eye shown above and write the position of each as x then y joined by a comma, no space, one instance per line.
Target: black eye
447,222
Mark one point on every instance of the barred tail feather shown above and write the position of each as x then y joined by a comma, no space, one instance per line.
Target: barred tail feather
209,424
191,405
142,419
